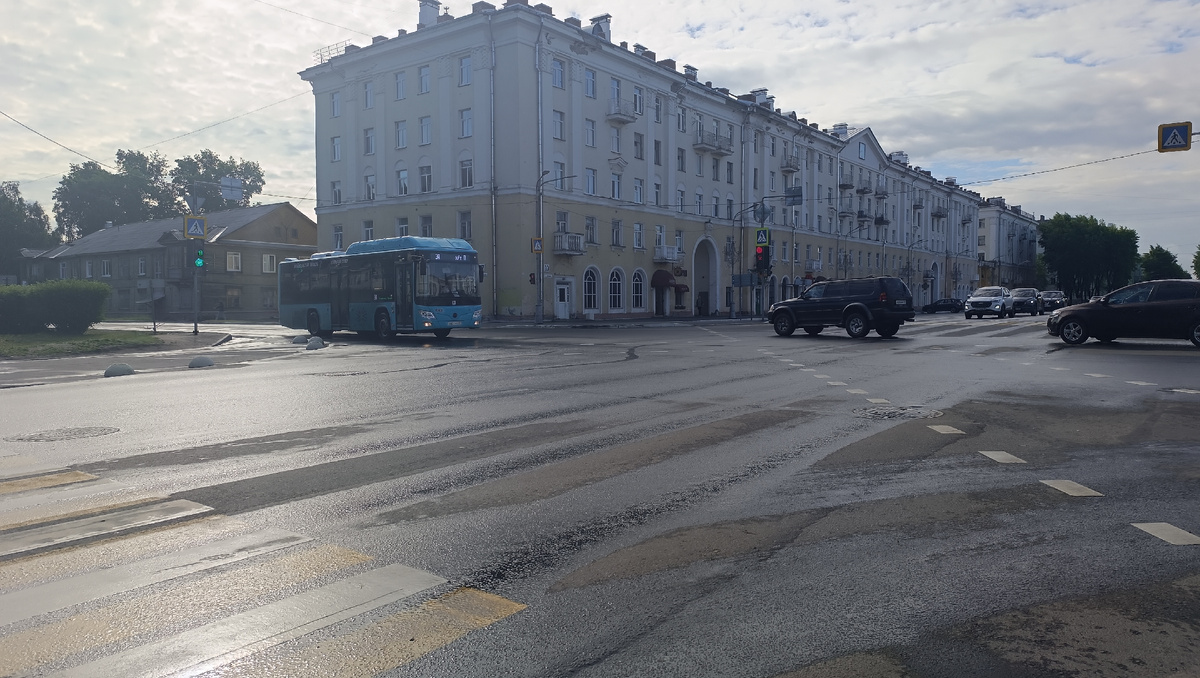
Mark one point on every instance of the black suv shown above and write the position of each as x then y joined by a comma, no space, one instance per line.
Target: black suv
859,305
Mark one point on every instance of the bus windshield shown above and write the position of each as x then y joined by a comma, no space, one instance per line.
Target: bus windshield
447,283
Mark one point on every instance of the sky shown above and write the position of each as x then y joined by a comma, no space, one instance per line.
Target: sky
1052,104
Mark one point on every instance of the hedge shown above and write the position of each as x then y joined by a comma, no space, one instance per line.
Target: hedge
69,306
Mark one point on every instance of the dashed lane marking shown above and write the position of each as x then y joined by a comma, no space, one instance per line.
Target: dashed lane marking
942,428
836,383
879,401
1002,457
1142,383
1061,369
1072,488
1185,390
856,391
821,376
44,481
1169,533
1098,376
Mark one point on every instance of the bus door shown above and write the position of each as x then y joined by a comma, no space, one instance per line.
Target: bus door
404,294
339,298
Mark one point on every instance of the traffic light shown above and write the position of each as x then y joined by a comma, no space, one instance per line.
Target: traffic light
199,262
532,278
762,259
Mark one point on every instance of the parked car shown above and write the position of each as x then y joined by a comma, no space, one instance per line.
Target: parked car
1053,299
859,305
1163,309
1027,300
995,301
952,305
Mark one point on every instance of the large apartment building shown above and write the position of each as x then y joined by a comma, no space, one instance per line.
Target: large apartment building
643,184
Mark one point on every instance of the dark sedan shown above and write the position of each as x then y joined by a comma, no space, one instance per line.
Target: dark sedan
1053,299
1163,309
1027,300
952,305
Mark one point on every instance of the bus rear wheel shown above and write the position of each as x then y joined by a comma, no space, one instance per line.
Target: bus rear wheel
383,325
441,334
314,323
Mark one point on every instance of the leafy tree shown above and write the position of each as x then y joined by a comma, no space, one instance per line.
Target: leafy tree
1088,256
90,195
1196,262
200,175
1160,264
22,224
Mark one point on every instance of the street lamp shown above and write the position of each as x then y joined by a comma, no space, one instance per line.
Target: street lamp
837,238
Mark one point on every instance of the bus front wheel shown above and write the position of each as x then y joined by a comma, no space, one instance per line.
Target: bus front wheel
314,323
383,325
441,334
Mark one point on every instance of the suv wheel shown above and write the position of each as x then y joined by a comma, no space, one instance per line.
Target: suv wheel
1194,334
856,325
784,325
814,330
887,331
1073,331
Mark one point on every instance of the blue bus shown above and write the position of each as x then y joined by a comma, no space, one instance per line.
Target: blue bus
391,286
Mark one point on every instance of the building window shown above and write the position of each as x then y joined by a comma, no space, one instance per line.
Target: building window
618,239
615,187
638,290
233,262
591,301
589,83
639,145
681,119
660,235
679,240
105,268
699,165
589,133
639,189
560,221
426,125
233,297
401,134
337,236
658,195
556,73
589,175
268,297
426,175
658,152
426,225
62,270
639,236
716,169
368,230
616,291
368,94
423,80
369,141
464,71
614,89
560,125
87,269
682,195
335,149
639,100
862,151
560,173
401,227
402,182
657,109
465,123
400,84
369,187
335,192
771,179
680,160
699,203
589,230
141,266
464,225
755,180
615,139
466,173
729,172
716,206
729,208
335,104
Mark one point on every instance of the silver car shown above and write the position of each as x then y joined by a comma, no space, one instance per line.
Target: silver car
995,301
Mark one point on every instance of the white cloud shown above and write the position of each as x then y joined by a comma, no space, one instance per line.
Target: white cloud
978,90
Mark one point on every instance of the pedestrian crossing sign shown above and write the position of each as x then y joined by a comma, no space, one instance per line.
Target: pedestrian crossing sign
1174,136
195,227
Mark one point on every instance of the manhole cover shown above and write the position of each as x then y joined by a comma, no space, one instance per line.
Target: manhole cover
897,412
65,434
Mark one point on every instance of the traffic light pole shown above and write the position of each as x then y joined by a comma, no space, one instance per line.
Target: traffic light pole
195,298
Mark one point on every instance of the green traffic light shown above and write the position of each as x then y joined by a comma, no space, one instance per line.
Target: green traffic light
199,258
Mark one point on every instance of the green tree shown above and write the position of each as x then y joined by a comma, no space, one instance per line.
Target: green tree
200,175
23,224
90,195
1196,262
1086,255
1161,264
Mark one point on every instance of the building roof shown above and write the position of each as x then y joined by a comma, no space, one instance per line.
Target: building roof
146,235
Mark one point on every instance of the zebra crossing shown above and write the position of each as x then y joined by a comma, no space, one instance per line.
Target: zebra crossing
99,579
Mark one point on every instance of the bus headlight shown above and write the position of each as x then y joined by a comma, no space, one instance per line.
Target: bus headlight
477,315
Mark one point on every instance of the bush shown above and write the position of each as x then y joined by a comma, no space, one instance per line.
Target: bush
71,306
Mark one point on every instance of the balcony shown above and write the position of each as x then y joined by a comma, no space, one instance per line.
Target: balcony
666,254
918,204
570,244
881,189
621,111
881,220
790,163
845,207
864,187
812,265
711,142
845,182
939,213
865,216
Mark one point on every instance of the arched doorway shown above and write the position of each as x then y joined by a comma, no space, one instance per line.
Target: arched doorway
706,273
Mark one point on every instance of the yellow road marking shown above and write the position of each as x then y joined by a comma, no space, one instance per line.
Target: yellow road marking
173,608
48,480
388,643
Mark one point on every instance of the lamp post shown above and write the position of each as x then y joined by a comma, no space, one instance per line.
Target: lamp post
837,247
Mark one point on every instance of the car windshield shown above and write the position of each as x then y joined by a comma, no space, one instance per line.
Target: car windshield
1053,295
1025,292
988,292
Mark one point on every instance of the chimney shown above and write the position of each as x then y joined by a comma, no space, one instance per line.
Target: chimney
544,9
482,6
428,14
770,103
602,27
900,157
841,130
951,181
574,21
668,64
639,49
650,55
760,95
378,39
690,72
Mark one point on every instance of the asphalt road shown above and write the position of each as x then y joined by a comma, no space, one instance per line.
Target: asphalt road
625,499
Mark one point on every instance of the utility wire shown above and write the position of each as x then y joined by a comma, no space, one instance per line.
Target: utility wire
54,142
285,9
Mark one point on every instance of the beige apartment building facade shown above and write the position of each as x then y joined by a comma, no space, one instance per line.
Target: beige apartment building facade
643,184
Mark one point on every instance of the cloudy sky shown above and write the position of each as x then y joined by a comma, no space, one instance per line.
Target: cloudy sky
1001,94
